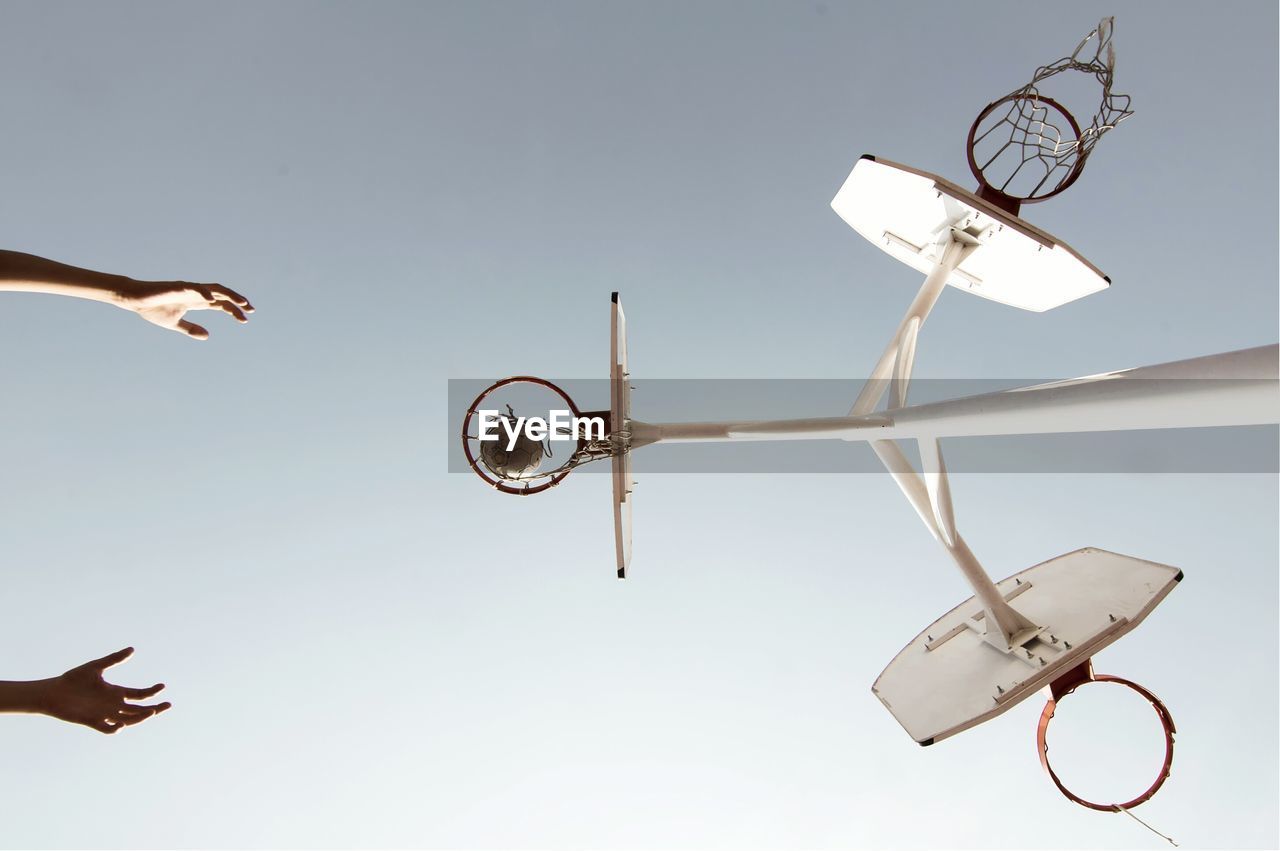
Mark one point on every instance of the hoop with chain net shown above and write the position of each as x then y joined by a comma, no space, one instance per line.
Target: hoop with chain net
1026,147
517,470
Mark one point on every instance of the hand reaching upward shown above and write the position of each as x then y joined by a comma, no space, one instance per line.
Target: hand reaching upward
165,303
83,696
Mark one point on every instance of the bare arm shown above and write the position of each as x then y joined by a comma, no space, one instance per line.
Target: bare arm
83,696
163,303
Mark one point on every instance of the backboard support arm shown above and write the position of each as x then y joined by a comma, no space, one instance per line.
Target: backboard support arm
931,497
899,356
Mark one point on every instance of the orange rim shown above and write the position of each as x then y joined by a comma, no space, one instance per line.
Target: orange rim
1065,685
473,460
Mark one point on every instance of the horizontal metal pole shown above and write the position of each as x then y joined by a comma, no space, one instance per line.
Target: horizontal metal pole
1229,389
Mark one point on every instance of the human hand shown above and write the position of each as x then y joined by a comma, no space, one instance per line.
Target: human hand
82,696
165,303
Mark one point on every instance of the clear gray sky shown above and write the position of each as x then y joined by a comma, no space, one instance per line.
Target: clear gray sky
364,649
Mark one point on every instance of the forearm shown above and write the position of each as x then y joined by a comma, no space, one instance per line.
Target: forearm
27,273
22,696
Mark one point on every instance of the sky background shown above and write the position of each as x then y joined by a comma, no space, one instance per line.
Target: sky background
366,649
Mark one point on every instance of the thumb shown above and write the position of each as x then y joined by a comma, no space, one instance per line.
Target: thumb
192,330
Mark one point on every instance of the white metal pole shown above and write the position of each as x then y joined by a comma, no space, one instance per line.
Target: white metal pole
1228,389
953,252
1011,626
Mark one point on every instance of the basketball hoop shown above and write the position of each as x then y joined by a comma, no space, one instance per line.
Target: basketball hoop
1026,147
1065,685
535,481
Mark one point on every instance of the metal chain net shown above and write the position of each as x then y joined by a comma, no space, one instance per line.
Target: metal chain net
592,450
1041,156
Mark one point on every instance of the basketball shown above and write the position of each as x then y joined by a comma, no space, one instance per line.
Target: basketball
521,461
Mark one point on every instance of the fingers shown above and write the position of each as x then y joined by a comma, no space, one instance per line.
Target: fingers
131,715
192,330
110,659
126,716
232,296
137,693
232,309
214,293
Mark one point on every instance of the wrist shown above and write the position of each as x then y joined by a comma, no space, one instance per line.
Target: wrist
23,696
122,291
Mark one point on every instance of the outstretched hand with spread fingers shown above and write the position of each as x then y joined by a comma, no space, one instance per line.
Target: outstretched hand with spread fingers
165,303
83,696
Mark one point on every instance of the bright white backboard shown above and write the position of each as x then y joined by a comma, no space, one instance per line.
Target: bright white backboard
949,678
620,417
905,211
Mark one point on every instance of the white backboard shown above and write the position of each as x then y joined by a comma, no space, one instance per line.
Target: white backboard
620,417
949,678
905,211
